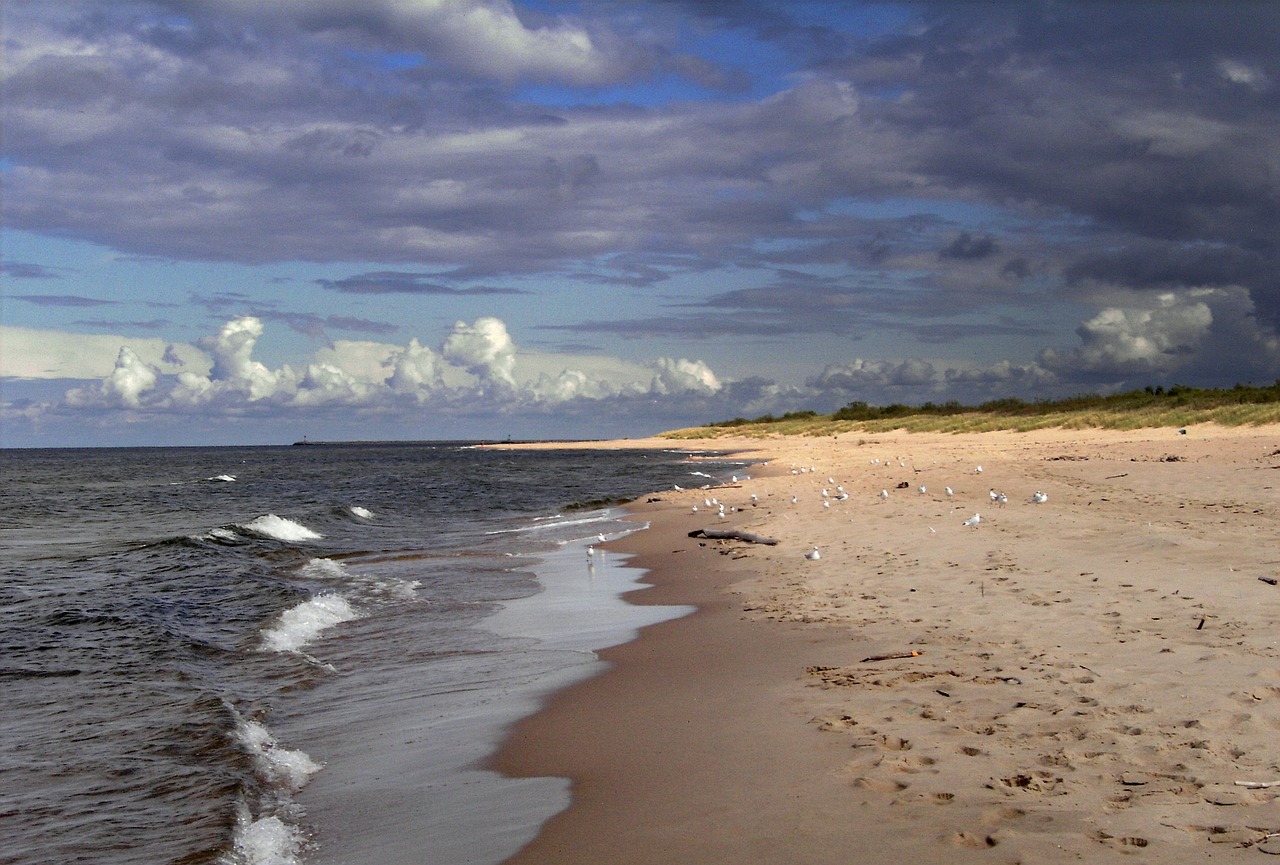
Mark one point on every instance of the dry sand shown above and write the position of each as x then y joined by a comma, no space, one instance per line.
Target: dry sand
1086,679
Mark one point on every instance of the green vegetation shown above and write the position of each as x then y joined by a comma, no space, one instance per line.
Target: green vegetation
1177,406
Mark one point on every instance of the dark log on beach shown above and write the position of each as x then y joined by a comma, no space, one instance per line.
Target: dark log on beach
894,655
733,535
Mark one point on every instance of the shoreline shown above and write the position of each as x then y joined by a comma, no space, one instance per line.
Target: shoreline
1092,676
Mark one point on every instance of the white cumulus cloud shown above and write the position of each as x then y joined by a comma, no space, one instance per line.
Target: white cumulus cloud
484,349
677,376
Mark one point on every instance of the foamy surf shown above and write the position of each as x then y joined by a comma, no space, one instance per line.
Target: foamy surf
269,839
362,513
281,529
300,625
366,588
281,768
265,841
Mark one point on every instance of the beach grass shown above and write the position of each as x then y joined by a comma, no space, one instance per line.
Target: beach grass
1177,407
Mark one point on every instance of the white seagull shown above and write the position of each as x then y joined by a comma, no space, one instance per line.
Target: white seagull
813,555
922,489
978,469
973,520
884,495
950,492
1039,498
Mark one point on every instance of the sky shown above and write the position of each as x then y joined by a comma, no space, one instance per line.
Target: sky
254,221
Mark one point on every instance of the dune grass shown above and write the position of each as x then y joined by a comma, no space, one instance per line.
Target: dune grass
1243,405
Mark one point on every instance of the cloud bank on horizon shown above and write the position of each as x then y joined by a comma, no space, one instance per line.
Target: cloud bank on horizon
242,220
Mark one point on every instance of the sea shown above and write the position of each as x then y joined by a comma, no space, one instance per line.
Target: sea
300,655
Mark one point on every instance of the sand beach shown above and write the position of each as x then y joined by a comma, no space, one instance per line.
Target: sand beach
1094,677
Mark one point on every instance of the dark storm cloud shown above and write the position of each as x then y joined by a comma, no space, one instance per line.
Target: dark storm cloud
1133,145
967,247
1154,121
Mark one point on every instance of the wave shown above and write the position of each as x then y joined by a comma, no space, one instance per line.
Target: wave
281,529
543,524
367,588
362,513
299,625
268,838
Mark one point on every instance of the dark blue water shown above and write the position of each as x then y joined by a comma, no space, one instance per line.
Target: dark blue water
287,655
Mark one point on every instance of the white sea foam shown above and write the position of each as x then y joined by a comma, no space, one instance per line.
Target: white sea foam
554,523
362,513
222,536
222,478
300,625
281,767
268,839
329,570
265,841
324,569
282,529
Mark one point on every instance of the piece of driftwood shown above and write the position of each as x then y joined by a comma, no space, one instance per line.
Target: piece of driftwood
1270,581
894,655
1257,785
733,535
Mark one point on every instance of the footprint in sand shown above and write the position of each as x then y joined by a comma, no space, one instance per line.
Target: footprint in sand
973,840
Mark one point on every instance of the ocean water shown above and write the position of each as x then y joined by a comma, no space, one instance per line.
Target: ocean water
278,655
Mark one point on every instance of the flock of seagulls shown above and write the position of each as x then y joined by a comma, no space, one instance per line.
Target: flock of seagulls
996,497
836,492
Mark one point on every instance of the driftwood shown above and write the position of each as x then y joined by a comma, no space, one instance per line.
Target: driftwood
733,535
1258,785
894,655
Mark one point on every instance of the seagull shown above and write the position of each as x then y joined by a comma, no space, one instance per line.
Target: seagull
795,500
950,492
979,470
922,489
973,520
813,555
826,504
1039,498
1002,499
993,494
843,495
884,495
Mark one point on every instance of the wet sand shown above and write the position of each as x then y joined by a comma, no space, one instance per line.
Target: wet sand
1093,678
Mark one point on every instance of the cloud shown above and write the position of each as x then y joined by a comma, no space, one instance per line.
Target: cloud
676,376
859,374
485,349
478,366
29,353
1124,342
69,300
967,247
397,282
124,387
27,270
